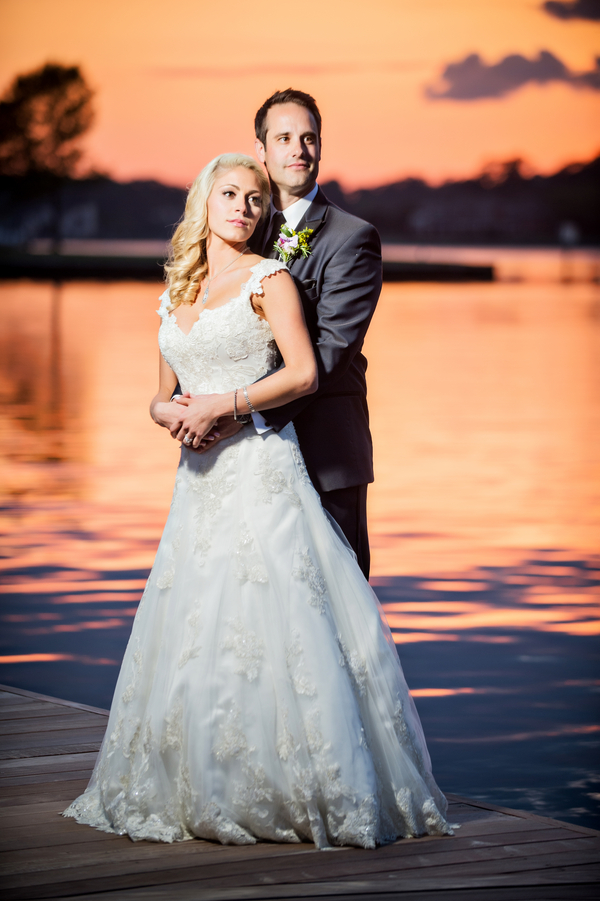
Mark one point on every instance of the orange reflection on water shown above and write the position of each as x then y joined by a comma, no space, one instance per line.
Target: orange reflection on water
559,597
401,638
447,692
411,637
488,616
521,736
455,585
25,585
485,409
95,598
53,658
431,607
108,623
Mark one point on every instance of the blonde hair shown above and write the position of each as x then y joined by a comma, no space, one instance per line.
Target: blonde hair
187,264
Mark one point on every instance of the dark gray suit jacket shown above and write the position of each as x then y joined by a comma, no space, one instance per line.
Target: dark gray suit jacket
339,284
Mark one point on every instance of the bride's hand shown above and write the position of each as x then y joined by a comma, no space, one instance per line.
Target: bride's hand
168,415
200,417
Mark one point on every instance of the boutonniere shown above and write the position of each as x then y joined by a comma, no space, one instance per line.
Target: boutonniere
290,243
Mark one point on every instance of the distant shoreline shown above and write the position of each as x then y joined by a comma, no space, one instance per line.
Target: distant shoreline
139,267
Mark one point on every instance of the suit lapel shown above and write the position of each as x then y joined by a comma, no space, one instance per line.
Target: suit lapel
313,218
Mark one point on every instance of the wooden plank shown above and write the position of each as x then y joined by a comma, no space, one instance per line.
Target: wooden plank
43,710
42,778
46,725
522,814
173,859
36,696
311,867
32,837
30,795
82,747
52,739
14,815
29,860
52,763
361,891
206,889
7,700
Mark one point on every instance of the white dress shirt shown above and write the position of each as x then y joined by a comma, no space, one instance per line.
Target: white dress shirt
293,214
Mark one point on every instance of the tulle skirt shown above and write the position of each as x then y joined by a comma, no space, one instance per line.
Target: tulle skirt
260,695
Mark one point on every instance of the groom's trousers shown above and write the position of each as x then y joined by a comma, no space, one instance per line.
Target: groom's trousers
348,506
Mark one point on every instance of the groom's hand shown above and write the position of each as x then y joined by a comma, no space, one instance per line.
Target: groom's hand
225,427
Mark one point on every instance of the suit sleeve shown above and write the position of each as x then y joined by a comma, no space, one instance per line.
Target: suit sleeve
349,295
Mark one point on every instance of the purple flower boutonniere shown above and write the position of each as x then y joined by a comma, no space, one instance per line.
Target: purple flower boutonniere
290,243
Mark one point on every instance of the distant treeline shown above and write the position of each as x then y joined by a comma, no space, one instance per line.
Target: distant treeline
502,205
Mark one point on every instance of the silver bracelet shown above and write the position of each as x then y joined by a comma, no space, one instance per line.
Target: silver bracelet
243,418
250,407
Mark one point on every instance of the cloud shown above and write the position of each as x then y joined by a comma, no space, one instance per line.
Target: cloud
472,79
577,9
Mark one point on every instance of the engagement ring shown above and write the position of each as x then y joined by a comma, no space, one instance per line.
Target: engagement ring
187,440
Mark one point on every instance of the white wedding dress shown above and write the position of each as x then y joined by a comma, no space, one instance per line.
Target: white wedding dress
260,695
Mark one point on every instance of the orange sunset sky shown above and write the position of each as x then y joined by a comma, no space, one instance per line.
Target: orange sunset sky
178,82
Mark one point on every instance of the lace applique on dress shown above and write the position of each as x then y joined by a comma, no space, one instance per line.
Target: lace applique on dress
165,580
247,647
213,481
311,574
137,661
274,481
299,461
312,730
360,825
286,746
231,741
357,666
294,656
248,565
212,824
172,736
190,648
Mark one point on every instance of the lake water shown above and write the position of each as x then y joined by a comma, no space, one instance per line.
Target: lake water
484,517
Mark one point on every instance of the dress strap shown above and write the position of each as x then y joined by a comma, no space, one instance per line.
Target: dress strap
165,303
260,271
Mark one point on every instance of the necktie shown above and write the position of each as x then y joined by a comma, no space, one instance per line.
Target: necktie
276,223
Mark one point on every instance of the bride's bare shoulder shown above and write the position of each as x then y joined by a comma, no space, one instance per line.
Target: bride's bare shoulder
252,259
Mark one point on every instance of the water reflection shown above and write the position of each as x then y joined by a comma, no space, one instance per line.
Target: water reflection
484,516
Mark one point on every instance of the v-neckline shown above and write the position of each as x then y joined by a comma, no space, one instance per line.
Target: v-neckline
203,311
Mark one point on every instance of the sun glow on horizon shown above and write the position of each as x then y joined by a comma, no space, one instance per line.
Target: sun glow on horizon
169,98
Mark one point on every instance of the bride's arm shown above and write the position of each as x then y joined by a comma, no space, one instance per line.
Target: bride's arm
162,411
280,305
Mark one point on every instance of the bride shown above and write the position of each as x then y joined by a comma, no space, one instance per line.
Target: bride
260,695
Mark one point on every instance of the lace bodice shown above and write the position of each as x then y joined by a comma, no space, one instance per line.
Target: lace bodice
227,347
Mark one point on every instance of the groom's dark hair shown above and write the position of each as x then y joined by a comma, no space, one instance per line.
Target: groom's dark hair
288,96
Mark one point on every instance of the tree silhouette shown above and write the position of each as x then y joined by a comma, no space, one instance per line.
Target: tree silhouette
43,114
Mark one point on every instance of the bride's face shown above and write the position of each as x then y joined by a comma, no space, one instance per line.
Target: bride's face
234,205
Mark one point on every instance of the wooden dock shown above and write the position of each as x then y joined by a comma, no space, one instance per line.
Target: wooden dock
47,751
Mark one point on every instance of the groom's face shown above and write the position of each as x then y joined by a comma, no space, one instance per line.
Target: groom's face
292,150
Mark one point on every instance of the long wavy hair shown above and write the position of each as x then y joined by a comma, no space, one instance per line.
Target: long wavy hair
187,264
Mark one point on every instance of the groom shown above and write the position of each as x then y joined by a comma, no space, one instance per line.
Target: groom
339,284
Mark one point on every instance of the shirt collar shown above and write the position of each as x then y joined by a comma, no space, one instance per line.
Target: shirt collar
294,213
